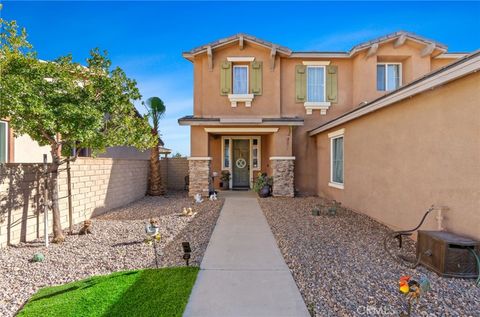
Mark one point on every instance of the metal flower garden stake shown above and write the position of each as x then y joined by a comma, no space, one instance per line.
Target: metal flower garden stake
412,290
153,236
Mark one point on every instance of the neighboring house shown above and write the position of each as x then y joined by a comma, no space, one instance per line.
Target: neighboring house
22,149
321,123
19,149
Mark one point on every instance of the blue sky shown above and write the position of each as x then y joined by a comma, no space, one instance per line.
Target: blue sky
146,39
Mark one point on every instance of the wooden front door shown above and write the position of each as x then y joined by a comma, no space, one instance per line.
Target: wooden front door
241,163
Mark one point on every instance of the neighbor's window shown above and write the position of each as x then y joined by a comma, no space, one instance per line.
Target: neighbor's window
240,79
388,76
3,141
315,83
226,154
336,166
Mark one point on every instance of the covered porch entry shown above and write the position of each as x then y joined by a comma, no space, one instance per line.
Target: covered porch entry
243,152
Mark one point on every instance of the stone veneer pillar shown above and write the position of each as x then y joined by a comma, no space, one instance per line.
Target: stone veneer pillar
199,175
283,174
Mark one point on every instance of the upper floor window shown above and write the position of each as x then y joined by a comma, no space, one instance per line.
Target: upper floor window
389,76
315,83
240,79
3,141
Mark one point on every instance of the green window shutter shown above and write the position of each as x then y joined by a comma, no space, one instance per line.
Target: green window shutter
226,78
332,74
256,78
3,142
300,83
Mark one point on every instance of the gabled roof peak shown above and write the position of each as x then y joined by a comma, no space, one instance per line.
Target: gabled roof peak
238,37
399,36
403,35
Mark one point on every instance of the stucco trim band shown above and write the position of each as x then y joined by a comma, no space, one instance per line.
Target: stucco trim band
199,158
241,59
241,130
336,133
316,63
336,185
272,158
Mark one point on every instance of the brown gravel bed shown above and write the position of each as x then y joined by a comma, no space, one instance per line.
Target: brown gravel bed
341,268
116,244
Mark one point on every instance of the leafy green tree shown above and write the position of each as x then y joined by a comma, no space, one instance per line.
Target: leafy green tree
155,112
177,155
67,106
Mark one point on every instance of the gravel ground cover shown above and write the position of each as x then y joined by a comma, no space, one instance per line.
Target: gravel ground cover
341,268
115,245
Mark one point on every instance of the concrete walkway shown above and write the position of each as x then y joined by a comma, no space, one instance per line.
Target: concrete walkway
243,272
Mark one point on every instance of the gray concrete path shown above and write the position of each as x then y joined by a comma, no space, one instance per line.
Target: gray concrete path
243,272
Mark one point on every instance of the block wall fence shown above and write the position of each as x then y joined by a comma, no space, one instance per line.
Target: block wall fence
98,185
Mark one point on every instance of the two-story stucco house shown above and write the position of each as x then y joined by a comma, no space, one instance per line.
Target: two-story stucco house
333,123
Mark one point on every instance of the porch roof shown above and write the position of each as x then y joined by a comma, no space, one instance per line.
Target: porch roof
229,121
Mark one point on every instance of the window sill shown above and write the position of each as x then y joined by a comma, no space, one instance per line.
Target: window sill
247,98
335,185
322,106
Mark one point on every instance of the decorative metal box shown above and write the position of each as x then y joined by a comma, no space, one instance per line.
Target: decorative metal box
448,254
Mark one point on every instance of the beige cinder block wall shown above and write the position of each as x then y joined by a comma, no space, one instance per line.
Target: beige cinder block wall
173,172
98,185
421,151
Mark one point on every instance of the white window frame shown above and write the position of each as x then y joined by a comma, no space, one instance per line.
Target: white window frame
248,78
230,153
333,136
317,105
6,140
246,98
324,83
400,75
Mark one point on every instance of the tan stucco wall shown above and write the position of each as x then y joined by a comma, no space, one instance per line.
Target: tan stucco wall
209,103
441,62
418,152
356,83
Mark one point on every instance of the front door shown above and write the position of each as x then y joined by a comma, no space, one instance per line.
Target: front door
241,164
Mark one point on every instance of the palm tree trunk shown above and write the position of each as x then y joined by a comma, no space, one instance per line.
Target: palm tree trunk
155,186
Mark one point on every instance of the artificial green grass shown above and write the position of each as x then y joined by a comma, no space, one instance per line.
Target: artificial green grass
150,292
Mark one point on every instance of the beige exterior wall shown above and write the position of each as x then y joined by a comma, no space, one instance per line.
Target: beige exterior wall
98,185
27,150
421,151
356,83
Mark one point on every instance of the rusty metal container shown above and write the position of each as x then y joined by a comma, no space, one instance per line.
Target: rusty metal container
448,254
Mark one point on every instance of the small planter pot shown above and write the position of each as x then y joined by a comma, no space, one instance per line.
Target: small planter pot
225,186
264,192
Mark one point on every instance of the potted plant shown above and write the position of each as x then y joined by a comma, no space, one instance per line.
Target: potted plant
263,185
225,178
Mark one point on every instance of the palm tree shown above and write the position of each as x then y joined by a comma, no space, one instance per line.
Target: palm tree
156,110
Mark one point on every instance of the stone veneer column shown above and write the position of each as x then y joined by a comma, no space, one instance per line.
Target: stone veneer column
283,173
199,175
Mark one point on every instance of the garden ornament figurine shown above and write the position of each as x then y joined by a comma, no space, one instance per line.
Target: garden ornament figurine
188,212
198,198
412,290
153,236
213,197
